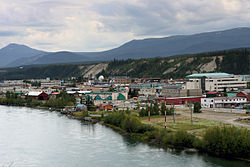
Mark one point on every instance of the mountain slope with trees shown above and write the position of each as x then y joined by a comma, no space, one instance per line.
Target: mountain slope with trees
236,61
231,61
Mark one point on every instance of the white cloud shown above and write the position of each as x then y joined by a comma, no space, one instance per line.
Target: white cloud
93,25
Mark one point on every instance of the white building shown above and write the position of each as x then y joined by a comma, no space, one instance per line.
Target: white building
10,83
51,83
222,102
215,82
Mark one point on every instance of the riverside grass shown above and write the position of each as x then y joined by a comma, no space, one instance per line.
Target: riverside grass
225,141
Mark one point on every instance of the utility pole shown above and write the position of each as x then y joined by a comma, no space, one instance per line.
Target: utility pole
191,109
173,112
148,110
165,113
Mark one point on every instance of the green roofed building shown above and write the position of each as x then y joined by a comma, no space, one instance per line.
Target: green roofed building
121,97
88,97
98,97
211,75
109,98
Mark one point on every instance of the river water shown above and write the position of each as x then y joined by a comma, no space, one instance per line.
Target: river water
40,138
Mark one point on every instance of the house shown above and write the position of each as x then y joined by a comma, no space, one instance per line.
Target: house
38,95
245,93
105,107
223,102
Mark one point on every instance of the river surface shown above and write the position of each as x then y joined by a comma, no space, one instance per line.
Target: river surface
40,138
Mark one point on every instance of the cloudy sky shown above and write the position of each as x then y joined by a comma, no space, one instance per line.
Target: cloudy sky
95,25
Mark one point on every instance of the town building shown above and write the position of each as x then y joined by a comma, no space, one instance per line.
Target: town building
120,80
215,82
178,91
244,93
223,102
179,100
38,95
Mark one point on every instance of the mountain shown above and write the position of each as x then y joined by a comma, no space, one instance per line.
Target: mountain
51,58
234,61
182,44
146,48
13,52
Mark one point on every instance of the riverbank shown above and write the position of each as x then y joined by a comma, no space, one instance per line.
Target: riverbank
224,142
131,126
54,139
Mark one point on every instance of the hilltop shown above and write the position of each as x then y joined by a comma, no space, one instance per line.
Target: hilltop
18,55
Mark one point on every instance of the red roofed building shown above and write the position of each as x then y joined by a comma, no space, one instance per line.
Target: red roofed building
244,93
180,100
38,95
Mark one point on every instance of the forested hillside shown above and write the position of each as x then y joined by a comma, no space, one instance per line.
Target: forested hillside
231,61
53,71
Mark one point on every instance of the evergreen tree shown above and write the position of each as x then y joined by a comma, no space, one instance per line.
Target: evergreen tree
197,107
163,107
155,109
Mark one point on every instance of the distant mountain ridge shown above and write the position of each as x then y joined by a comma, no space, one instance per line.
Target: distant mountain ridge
235,61
135,49
13,51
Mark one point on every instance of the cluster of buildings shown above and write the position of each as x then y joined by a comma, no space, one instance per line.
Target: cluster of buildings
212,90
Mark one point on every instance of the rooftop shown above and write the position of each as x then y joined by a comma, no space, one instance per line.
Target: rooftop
211,75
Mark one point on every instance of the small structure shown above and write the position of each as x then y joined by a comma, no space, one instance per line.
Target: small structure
81,107
105,107
38,95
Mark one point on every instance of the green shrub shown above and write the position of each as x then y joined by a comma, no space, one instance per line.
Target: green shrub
127,122
114,119
183,139
130,124
227,142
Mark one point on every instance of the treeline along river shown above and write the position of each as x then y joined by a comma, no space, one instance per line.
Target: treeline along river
40,138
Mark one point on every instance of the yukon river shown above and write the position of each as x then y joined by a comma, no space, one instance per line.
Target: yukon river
40,138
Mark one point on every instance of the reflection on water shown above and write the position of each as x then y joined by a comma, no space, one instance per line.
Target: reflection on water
39,138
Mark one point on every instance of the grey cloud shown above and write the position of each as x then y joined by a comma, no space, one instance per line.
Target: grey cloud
44,43
141,18
9,33
162,17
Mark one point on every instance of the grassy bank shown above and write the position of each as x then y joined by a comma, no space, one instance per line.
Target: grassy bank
220,141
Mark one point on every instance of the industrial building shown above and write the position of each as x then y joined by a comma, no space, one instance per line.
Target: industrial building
215,82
